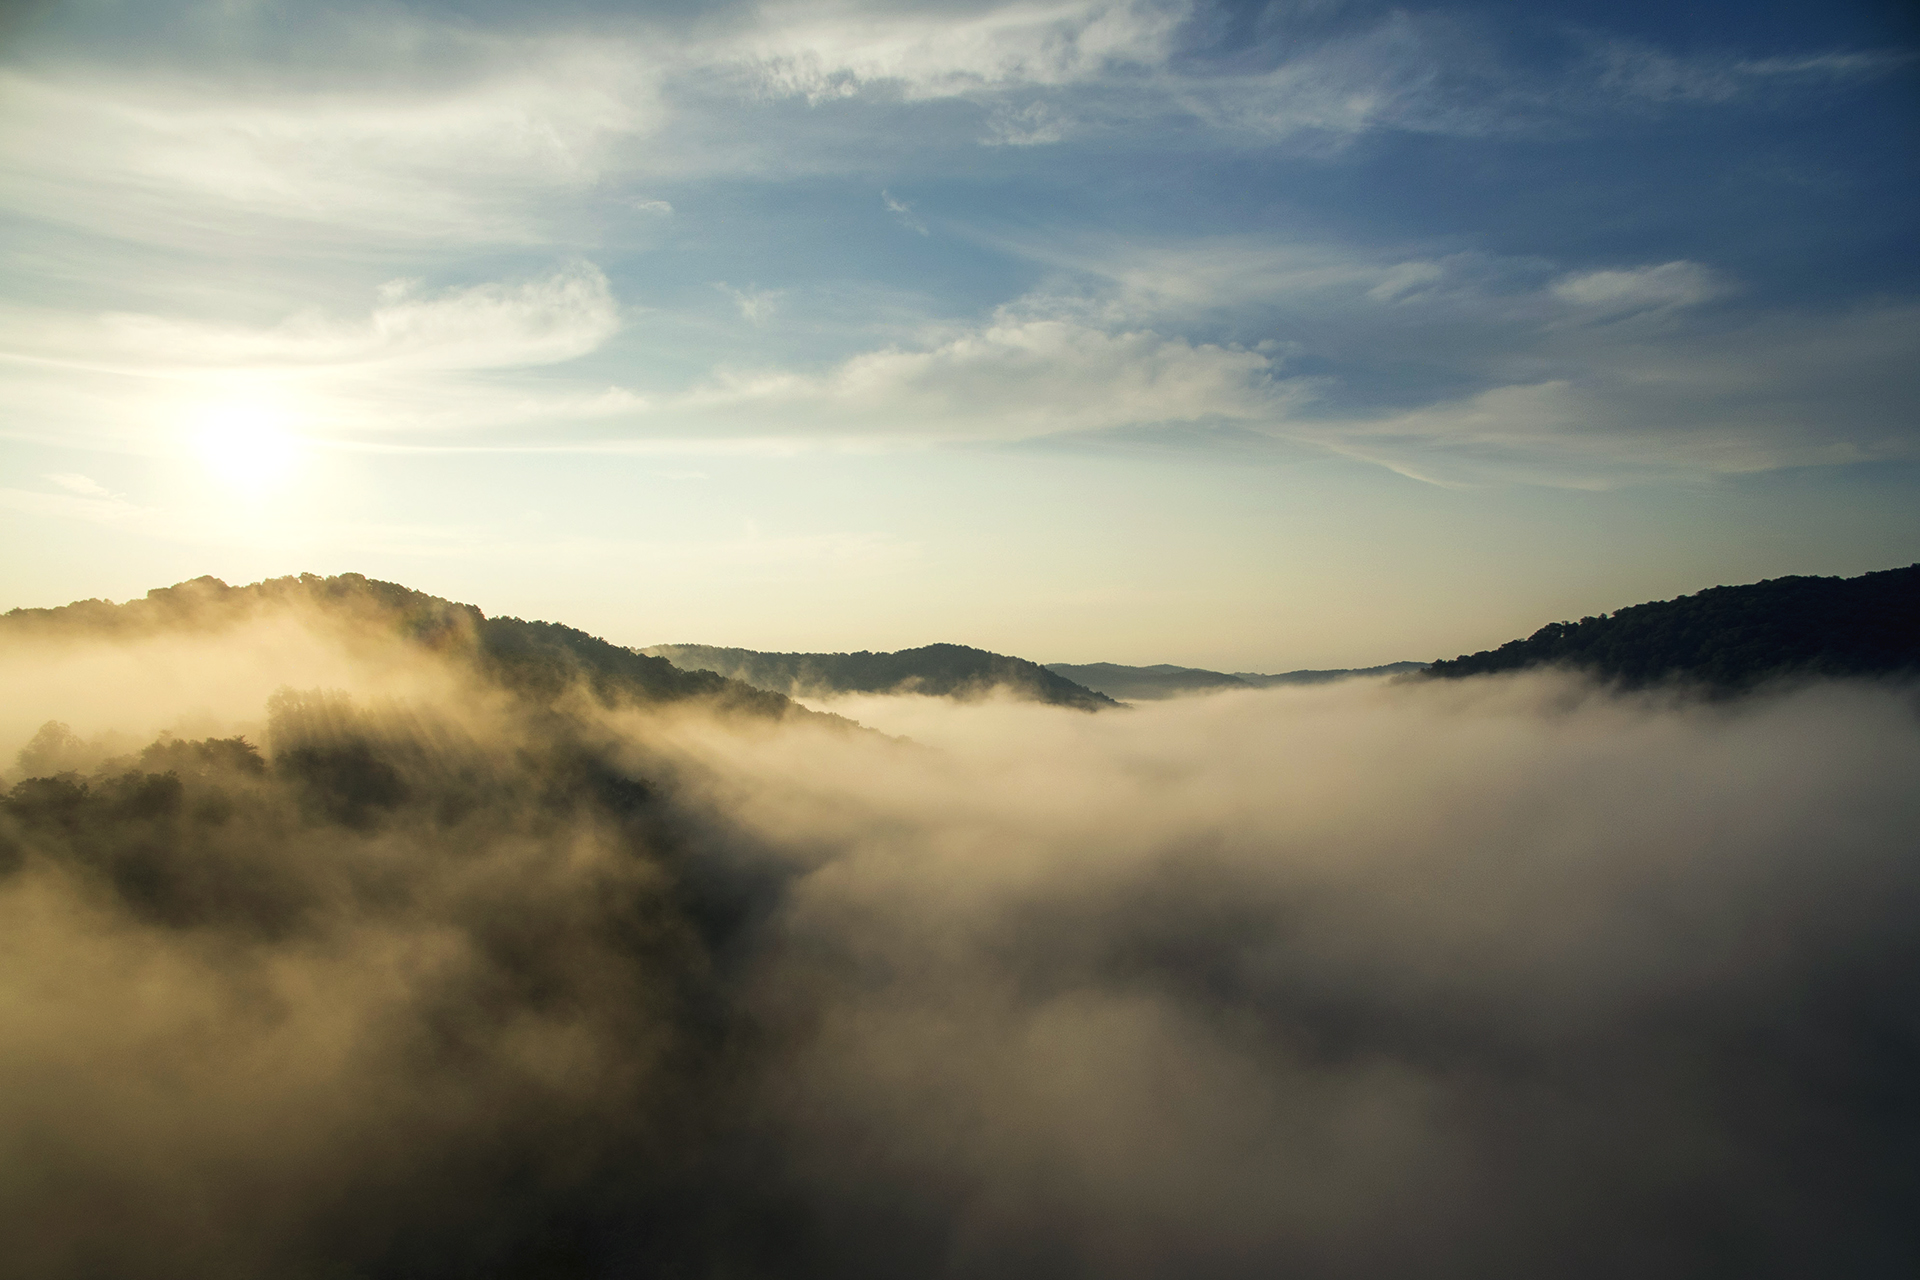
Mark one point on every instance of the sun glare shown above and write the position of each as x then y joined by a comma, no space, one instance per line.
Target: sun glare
248,446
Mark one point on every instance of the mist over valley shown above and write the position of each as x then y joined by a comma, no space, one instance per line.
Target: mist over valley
349,931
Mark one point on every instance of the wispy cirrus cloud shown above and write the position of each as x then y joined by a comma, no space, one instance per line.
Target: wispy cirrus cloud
756,306
839,50
903,212
85,486
449,132
476,159
1637,71
1018,376
1471,368
1670,284
491,325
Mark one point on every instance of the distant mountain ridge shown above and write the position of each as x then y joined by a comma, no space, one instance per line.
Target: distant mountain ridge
940,670
1165,680
1731,639
538,660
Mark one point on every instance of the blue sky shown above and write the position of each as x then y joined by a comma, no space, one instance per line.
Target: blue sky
1252,336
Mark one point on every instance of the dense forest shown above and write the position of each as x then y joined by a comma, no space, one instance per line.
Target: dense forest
940,670
1731,639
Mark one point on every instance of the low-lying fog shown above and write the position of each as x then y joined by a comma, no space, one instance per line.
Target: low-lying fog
1493,977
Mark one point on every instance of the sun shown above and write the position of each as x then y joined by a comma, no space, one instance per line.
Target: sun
248,446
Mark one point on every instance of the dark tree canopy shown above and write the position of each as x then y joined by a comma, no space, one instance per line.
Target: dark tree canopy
1731,639
940,670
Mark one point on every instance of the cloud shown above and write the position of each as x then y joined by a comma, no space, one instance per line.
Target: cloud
1472,368
411,142
1184,280
1463,368
85,486
1034,125
402,374
756,305
1050,73
544,321
1671,284
470,159
1047,73
415,127
835,51
150,382
1152,1011
1632,405
1018,376
903,211
1357,980
1638,71
102,508
1237,277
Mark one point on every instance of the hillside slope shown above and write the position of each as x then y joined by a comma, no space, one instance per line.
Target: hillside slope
539,660
942,670
1731,639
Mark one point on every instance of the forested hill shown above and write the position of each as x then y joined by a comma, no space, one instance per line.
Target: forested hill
1164,680
1732,638
944,670
1146,684
536,659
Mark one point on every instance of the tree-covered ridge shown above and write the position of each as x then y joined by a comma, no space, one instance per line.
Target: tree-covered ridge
942,670
537,659
1732,638
1145,683
208,604
1164,680
546,658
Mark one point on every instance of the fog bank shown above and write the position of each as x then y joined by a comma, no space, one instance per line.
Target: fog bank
1498,977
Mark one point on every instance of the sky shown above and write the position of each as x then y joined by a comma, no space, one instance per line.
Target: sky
1251,337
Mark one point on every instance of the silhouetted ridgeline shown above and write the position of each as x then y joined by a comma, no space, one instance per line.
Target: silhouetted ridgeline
1167,681
945,670
1732,638
537,659
1145,683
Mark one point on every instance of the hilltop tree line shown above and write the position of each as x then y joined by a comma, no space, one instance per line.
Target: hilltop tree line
538,660
1731,639
937,670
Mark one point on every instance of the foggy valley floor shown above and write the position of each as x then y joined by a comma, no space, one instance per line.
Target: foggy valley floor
433,977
